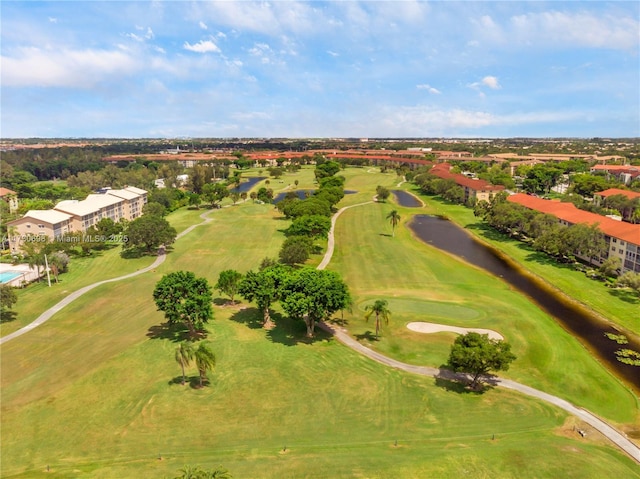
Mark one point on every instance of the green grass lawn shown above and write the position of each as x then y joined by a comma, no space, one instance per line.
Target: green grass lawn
612,304
95,391
423,284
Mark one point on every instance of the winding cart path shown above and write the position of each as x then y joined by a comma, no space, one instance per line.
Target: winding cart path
48,314
615,436
608,431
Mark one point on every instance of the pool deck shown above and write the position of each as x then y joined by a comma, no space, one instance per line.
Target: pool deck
26,273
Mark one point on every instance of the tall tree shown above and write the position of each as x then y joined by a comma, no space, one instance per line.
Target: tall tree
264,287
477,354
215,192
34,249
229,282
314,226
8,298
394,219
184,356
380,309
205,360
313,295
184,298
382,193
149,232
295,250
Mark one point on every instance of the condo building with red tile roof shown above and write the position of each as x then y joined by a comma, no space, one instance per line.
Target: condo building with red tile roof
623,239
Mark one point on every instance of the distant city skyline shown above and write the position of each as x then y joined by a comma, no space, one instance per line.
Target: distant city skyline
319,69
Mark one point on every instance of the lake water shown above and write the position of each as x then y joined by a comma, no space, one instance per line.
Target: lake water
586,326
406,199
248,184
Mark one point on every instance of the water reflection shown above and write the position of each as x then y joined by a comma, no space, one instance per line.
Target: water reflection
407,199
583,324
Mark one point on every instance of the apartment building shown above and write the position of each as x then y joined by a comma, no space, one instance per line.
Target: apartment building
474,189
71,216
623,239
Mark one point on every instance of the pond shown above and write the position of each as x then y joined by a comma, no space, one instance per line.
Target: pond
407,199
302,194
248,184
586,326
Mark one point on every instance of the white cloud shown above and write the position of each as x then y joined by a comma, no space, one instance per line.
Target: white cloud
53,20
561,30
332,53
65,68
203,46
488,81
135,37
491,82
581,28
429,88
426,121
203,25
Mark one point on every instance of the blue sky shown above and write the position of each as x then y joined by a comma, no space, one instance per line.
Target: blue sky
320,69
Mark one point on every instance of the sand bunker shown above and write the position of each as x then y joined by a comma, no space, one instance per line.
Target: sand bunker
421,327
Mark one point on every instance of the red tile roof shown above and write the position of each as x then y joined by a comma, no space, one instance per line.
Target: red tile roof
6,192
624,168
569,213
617,191
442,171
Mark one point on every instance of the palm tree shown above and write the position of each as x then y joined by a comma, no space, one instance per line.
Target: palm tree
184,355
394,218
381,311
205,360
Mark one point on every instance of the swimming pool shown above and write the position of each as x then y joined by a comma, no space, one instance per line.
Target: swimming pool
7,276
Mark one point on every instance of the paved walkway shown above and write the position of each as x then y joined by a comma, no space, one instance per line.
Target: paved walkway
48,314
615,436
612,434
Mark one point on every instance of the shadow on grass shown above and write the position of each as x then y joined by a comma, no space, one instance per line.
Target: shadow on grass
367,336
385,234
252,317
286,331
192,381
625,295
172,332
461,383
8,316
338,321
291,332
224,302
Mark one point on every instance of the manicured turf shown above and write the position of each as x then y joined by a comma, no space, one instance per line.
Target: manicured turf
618,306
94,392
424,284
38,297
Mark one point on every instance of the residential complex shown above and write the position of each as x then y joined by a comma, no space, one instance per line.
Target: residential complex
474,189
71,216
623,239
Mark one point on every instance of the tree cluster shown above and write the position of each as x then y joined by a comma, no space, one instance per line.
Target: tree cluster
311,216
542,230
307,294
